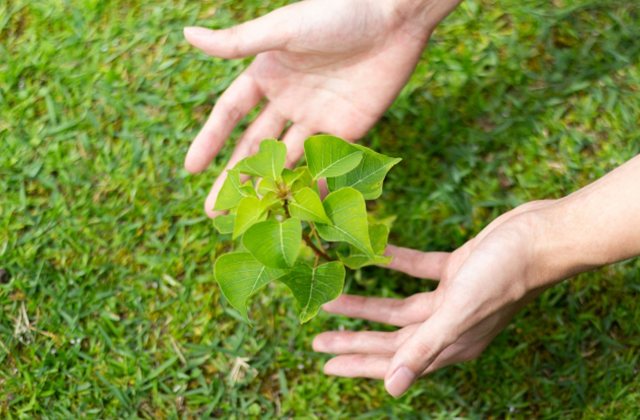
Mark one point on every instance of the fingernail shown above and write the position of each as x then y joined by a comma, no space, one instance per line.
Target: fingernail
197,31
400,381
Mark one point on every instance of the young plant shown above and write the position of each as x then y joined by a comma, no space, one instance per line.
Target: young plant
293,236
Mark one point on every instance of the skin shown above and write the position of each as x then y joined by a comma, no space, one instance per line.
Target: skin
484,283
329,66
335,66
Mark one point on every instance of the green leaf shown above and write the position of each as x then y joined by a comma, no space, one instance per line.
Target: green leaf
240,276
232,192
289,176
387,221
358,260
268,162
347,210
306,205
379,234
368,176
313,287
248,214
274,244
329,156
270,200
303,181
225,223
266,186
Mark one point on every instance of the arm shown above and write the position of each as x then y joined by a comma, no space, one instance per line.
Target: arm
597,225
486,282
326,66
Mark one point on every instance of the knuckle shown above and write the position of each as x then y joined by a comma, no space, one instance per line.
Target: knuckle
425,349
397,338
233,40
419,304
400,336
230,109
339,340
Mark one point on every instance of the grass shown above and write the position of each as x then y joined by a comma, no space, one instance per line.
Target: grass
110,311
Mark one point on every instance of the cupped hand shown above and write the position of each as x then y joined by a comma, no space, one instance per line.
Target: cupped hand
330,66
482,286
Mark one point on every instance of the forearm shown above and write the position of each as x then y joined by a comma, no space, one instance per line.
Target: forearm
595,226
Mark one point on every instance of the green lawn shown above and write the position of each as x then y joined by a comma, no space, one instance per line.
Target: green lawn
110,310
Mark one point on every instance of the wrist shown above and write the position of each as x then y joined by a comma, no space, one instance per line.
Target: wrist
595,226
555,253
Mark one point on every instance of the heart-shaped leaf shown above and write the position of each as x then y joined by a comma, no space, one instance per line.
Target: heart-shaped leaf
268,162
379,235
346,209
368,176
303,180
233,191
289,176
358,260
270,200
225,223
329,156
274,244
266,186
248,213
240,276
306,205
313,287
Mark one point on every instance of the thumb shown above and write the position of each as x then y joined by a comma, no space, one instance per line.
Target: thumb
419,351
269,32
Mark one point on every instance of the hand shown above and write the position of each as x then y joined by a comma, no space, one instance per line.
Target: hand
482,286
330,66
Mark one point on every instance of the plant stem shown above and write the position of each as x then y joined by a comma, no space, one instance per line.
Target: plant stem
286,208
314,232
318,251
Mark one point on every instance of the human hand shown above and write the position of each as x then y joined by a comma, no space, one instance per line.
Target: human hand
482,286
486,282
330,66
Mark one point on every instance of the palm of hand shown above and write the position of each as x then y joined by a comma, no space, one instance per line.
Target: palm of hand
325,66
332,78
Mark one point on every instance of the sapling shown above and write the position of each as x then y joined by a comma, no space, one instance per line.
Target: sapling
288,233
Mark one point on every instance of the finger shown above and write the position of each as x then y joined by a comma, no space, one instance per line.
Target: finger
398,312
424,265
375,366
362,342
234,104
268,124
455,353
372,366
323,188
419,351
294,139
269,32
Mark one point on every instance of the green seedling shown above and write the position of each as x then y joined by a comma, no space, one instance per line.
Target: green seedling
293,236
